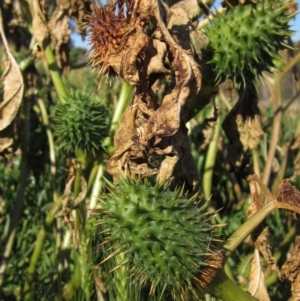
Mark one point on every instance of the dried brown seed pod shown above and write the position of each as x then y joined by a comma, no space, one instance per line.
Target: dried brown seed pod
106,27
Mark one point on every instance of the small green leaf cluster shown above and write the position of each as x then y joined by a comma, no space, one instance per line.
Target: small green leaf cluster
163,235
245,41
81,123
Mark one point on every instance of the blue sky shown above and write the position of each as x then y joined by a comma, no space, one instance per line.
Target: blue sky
295,26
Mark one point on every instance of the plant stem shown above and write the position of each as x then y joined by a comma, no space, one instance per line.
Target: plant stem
282,169
55,75
51,146
38,248
16,214
98,185
211,158
250,224
124,98
74,283
224,288
276,93
256,163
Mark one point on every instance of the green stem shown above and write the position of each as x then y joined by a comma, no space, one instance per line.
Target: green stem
55,75
211,158
51,146
224,288
16,214
124,98
282,170
38,248
97,188
256,161
250,224
276,93
74,283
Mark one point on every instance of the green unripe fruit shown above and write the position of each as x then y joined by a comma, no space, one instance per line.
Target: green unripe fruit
245,41
162,235
81,123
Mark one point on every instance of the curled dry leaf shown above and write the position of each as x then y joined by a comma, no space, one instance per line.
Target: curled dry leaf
40,29
257,287
12,81
68,201
60,38
59,28
75,9
288,194
150,132
291,271
13,90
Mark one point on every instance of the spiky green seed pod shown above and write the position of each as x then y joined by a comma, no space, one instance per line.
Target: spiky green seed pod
81,123
162,235
245,41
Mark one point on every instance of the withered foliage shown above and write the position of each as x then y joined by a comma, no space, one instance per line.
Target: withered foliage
288,194
59,26
69,202
291,268
13,87
291,271
134,40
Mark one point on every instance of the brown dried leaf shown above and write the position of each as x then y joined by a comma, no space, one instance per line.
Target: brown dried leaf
13,87
256,203
288,194
60,29
182,12
149,129
156,52
291,271
127,69
60,38
75,9
165,121
12,97
40,29
127,128
257,286
262,244
69,203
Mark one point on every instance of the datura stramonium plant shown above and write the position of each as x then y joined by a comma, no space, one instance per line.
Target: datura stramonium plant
161,236
147,43
245,41
81,123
